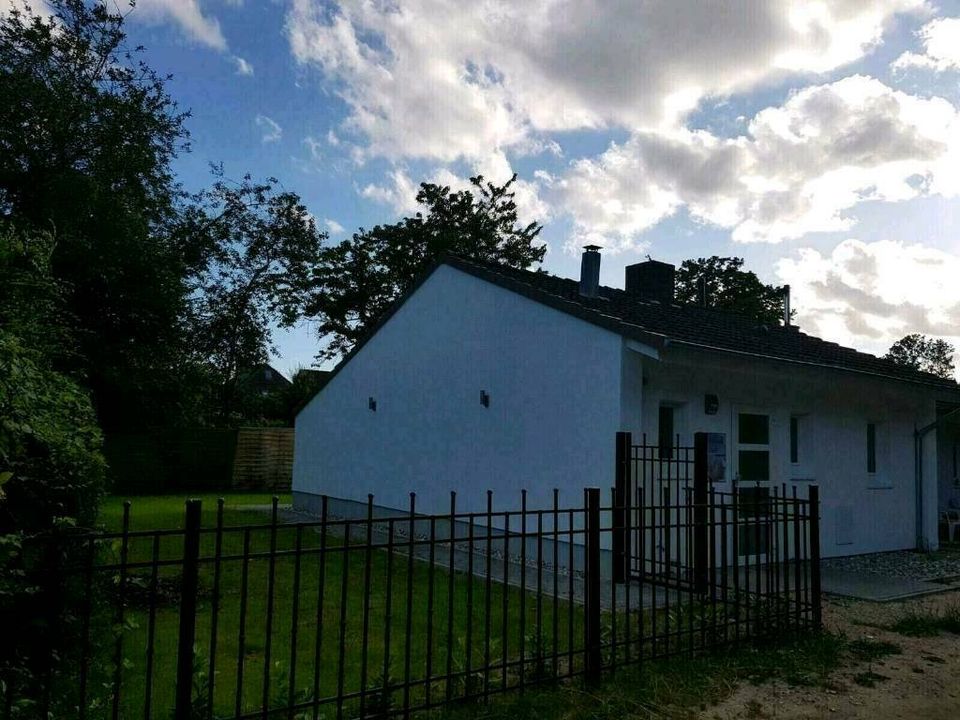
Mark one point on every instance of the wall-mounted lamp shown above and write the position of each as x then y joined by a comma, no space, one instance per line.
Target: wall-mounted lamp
484,398
372,404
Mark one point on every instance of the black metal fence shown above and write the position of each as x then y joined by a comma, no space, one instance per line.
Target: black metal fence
754,549
377,616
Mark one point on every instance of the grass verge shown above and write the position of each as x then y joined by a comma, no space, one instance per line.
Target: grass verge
918,622
685,687
152,512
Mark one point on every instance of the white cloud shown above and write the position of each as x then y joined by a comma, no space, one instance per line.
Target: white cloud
314,147
313,160
871,294
333,226
400,192
941,47
272,132
187,15
38,7
243,67
799,168
448,81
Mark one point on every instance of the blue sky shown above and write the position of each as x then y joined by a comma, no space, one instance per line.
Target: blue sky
820,141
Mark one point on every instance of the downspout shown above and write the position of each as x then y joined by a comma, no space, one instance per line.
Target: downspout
918,483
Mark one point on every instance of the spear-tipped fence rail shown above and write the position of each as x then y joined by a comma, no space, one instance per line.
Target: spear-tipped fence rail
389,613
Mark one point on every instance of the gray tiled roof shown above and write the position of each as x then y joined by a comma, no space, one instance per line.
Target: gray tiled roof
690,324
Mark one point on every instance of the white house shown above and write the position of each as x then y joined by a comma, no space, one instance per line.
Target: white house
484,377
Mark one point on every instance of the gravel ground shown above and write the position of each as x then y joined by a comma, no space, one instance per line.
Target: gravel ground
917,683
904,563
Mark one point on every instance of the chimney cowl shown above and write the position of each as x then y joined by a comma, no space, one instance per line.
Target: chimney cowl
590,271
651,280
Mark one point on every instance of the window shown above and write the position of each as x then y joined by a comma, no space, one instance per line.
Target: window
753,447
755,527
754,502
754,465
754,429
794,440
665,431
801,448
877,442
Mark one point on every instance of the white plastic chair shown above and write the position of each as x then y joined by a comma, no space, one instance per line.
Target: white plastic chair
950,518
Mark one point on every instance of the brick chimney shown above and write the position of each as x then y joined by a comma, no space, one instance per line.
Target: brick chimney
650,280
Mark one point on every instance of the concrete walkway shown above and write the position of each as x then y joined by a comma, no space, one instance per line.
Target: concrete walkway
885,577
878,588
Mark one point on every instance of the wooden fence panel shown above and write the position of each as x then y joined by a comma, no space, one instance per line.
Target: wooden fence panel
264,459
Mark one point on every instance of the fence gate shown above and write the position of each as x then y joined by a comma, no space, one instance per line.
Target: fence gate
676,530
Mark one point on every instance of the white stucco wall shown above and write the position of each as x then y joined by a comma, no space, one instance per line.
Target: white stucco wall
860,513
554,384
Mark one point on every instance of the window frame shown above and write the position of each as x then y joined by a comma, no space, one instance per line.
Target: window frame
794,440
671,438
753,447
879,477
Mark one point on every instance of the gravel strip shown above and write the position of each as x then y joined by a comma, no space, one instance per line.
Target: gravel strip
940,565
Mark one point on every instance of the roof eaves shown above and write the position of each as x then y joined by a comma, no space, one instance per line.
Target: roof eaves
931,383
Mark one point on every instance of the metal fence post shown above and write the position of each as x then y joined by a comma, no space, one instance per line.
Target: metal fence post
188,611
701,485
621,493
591,625
815,557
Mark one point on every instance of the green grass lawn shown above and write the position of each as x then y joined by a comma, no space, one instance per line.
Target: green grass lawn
151,512
351,598
341,626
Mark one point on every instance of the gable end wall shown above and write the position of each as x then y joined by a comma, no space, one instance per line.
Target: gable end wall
554,386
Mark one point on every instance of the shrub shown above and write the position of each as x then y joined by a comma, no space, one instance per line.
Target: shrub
51,476
927,623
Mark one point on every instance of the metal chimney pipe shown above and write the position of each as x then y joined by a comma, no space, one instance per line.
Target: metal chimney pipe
786,306
590,271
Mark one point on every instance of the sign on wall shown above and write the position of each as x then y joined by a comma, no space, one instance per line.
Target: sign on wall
716,457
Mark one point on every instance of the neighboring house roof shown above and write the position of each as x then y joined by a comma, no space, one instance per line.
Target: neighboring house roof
263,378
661,324
318,376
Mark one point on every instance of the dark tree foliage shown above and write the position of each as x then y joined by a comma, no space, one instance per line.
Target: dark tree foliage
51,469
360,278
260,248
49,440
87,133
922,353
31,302
305,383
730,287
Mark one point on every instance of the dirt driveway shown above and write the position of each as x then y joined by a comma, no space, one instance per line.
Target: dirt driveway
920,683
